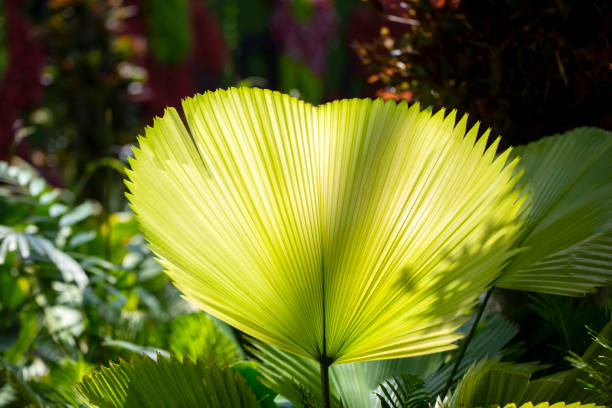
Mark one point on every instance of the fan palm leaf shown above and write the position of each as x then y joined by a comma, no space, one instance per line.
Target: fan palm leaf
567,234
352,231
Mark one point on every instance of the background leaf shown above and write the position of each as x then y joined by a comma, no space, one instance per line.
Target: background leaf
195,335
568,229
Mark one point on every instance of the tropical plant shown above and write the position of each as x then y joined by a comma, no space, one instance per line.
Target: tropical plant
594,368
420,254
168,383
565,239
336,253
356,384
70,286
552,233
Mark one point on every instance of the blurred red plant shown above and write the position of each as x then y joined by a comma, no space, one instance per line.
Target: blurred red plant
20,87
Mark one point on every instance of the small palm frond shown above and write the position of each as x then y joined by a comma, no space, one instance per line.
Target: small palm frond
144,383
404,391
567,235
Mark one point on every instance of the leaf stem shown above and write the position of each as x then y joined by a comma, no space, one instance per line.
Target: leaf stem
325,363
466,342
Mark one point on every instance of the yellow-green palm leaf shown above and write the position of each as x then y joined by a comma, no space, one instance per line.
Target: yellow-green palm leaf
555,405
355,230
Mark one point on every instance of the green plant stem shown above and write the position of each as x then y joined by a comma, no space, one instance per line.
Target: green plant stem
325,363
466,342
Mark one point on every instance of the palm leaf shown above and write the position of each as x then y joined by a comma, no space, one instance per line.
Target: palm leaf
488,342
405,391
490,383
592,367
356,230
358,384
568,230
144,383
596,377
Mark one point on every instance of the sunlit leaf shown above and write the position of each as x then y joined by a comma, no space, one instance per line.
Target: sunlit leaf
352,231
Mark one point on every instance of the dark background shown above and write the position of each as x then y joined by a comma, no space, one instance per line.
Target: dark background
80,78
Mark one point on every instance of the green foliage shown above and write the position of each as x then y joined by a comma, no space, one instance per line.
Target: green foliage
567,235
405,391
143,383
560,323
196,335
596,367
356,384
249,371
58,385
490,382
299,77
78,286
548,405
90,80
168,26
42,281
489,341
295,378
59,298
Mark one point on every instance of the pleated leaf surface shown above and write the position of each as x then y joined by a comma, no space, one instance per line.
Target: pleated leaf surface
352,231
144,383
490,383
568,229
